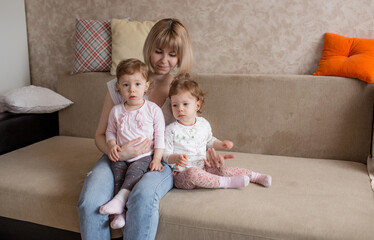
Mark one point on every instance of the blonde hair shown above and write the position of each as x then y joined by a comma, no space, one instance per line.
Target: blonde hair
131,66
186,83
171,33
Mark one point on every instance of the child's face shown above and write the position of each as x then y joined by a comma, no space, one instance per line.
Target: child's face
163,60
185,107
132,88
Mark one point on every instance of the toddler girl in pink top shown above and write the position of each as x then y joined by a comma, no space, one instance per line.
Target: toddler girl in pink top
134,118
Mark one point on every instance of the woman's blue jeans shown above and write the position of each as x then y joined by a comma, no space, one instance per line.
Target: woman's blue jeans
143,203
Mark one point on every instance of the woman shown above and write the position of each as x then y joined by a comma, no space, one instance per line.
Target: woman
166,49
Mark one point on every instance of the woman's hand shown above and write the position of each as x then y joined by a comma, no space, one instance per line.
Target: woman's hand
156,165
215,159
132,149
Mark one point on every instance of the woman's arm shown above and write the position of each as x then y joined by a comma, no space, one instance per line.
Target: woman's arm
100,139
129,150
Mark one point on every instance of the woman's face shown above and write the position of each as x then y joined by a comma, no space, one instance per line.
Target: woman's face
163,60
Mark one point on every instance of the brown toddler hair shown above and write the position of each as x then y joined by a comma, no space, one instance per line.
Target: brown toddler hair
131,66
186,83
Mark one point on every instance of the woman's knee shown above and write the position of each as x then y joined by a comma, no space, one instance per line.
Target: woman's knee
88,205
90,199
97,188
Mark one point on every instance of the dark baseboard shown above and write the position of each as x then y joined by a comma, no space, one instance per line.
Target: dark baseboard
11,229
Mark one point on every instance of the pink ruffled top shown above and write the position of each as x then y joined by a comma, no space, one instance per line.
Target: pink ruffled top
146,122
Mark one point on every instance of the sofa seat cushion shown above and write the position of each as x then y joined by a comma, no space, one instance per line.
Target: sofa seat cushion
41,183
309,199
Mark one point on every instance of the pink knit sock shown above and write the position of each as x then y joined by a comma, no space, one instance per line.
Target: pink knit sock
114,206
118,221
262,179
234,182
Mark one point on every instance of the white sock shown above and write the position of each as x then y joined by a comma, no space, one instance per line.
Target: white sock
117,204
123,194
262,179
234,182
118,221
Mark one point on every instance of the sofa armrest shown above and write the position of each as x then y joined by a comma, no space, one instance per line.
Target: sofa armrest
20,130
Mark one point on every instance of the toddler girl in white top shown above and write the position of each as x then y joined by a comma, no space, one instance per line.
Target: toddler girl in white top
134,118
187,140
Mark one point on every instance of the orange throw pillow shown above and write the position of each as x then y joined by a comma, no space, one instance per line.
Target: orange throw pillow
347,57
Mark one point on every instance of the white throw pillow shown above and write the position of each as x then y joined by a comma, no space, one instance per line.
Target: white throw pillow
33,99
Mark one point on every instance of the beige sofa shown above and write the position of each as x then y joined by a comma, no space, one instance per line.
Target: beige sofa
312,134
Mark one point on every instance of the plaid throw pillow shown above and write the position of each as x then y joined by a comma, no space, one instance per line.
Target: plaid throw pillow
93,46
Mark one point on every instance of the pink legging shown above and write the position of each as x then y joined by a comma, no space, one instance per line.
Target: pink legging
206,178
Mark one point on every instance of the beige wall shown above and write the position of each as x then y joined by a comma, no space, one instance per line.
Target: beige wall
14,61
236,36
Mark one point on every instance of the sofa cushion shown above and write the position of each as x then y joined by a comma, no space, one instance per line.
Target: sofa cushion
347,57
41,183
128,38
321,117
309,198
34,99
93,46
89,102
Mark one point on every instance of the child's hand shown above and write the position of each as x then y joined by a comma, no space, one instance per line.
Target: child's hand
156,166
182,160
227,145
113,154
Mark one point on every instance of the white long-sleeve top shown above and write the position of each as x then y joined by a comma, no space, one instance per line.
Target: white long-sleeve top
192,141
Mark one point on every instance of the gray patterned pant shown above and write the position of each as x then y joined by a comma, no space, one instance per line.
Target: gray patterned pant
127,174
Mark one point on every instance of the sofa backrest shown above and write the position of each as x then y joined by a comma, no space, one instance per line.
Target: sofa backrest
291,115
87,91
235,37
